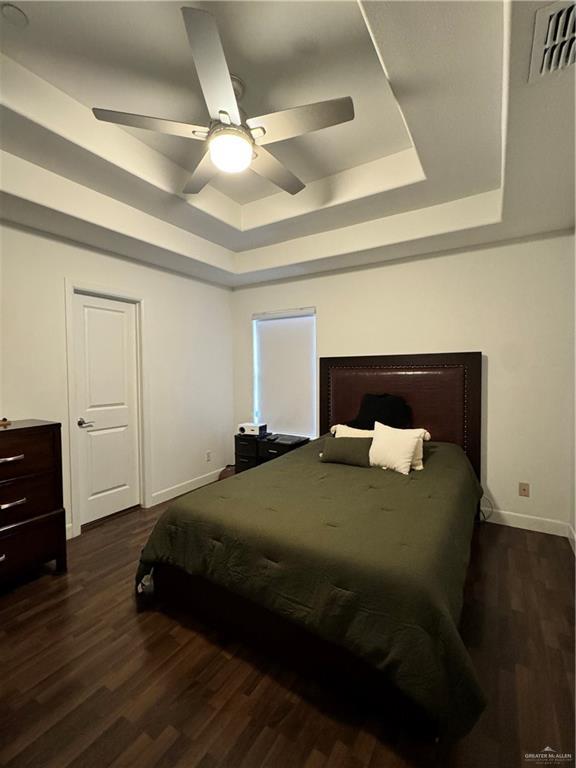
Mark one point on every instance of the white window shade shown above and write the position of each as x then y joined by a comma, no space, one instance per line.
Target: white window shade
285,372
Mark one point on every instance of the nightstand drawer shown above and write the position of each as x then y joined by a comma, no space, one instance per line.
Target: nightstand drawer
28,497
25,452
246,462
271,450
246,446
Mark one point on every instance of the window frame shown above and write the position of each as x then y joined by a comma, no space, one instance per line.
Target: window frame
284,314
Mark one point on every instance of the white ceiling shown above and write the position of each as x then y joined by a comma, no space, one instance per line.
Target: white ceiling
420,168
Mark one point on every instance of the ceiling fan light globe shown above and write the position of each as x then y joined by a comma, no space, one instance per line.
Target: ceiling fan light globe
230,152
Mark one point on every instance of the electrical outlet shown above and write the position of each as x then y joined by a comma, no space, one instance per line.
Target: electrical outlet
208,455
524,489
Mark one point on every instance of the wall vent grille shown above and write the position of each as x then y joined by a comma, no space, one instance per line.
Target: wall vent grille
554,42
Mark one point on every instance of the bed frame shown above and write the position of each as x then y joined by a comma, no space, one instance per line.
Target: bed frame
444,393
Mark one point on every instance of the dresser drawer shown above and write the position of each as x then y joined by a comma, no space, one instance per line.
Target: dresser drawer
25,452
32,543
28,497
246,446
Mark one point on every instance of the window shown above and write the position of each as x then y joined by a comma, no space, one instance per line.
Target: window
285,371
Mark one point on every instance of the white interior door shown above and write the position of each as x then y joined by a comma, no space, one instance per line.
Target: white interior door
106,363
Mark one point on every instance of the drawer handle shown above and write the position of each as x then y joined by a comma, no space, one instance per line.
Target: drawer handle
23,500
270,450
6,459
2,558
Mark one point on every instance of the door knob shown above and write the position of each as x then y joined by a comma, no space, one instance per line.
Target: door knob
83,424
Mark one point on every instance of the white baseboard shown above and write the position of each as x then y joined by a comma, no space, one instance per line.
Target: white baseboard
165,495
530,523
158,497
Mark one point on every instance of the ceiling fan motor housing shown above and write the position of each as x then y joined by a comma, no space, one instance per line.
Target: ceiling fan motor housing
239,87
217,128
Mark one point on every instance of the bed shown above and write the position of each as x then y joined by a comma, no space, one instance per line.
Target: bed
367,561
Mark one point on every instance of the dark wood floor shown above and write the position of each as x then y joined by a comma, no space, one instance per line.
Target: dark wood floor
89,682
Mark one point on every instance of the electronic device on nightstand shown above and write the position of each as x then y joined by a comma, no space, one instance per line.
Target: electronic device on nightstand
250,428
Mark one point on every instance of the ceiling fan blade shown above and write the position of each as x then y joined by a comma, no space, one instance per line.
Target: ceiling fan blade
172,127
203,173
210,62
294,122
265,164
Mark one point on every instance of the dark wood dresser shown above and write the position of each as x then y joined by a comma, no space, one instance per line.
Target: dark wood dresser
251,450
32,518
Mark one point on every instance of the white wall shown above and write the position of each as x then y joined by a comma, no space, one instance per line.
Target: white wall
187,350
514,303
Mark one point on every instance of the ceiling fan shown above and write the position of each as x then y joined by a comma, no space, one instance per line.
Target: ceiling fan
234,142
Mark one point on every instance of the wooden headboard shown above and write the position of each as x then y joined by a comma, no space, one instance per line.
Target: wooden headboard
444,392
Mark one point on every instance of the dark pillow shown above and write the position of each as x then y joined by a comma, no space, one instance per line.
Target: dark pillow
387,409
347,450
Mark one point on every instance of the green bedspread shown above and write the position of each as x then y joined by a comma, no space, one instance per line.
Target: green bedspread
370,559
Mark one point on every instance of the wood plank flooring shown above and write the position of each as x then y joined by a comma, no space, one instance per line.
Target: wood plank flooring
87,681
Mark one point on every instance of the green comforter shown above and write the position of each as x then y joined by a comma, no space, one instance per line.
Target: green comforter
372,560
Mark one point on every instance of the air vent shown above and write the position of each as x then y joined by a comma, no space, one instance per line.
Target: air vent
554,43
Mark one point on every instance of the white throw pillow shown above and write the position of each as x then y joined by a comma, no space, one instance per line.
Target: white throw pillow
393,448
341,430
418,458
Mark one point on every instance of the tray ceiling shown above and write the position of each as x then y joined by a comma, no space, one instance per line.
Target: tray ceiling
135,57
424,161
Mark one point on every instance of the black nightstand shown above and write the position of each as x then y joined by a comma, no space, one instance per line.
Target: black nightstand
251,450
